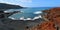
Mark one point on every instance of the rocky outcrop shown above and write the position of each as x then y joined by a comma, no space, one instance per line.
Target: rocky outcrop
9,6
44,26
53,15
53,23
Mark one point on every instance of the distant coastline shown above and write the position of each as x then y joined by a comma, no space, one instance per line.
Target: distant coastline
9,6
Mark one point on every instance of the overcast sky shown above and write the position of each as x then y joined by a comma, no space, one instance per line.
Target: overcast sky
33,3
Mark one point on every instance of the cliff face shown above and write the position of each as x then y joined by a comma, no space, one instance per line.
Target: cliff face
44,26
9,6
53,15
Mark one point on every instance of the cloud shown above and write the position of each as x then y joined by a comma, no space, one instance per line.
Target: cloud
22,3
29,1
15,1
9,2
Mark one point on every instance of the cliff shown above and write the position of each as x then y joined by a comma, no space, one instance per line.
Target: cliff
53,15
9,6
53,23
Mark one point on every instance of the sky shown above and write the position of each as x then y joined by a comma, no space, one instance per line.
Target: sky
33,3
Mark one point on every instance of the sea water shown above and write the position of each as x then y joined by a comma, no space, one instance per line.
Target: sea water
27,12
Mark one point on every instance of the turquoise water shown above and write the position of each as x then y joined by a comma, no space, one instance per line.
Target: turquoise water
27,12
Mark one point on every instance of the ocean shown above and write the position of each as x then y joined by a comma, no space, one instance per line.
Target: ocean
27,12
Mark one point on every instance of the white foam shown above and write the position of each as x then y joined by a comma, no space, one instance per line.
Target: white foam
35,18
37,12
28,19
40,16
22,18
5,11
11,18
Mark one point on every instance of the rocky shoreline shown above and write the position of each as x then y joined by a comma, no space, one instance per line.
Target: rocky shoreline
53,23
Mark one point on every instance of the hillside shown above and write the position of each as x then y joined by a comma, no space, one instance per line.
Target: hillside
9,6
